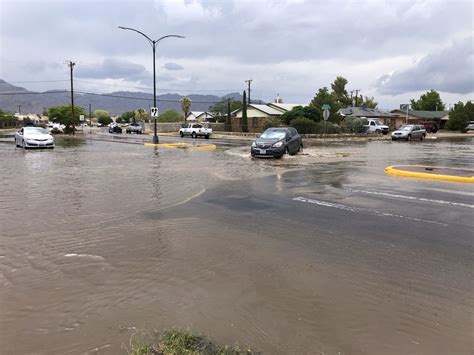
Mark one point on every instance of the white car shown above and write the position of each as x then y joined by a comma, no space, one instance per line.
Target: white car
194,130
34,137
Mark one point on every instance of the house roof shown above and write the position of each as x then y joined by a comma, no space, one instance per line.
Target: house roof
364,112
424,115
284,107
266,109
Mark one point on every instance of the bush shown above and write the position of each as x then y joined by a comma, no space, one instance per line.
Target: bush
303,125
274,122
355,124
170,116
104,120
327,128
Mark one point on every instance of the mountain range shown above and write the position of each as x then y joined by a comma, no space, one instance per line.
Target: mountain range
11,97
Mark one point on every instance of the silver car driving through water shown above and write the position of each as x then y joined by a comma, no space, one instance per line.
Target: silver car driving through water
33,137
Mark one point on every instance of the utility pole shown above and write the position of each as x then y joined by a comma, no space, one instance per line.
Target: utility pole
90,119
19,109
249,81
356,95
352,102
228,122
71,65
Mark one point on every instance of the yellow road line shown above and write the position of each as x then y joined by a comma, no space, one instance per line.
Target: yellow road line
182,145
392,170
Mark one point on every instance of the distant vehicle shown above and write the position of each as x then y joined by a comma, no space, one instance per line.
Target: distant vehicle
276,142
134,128
409,132
195,130
55,128
469,127
99,124
115,128
375,126
34,137
430,126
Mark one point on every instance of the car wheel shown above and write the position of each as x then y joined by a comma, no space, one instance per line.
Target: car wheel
194,135
428,130
23,144
409,138
378,131
434,130
181,134
206,136
393,139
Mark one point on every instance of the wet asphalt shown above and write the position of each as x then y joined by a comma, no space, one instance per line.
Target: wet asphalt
316,253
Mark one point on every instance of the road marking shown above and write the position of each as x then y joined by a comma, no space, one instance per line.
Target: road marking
363,210
422,199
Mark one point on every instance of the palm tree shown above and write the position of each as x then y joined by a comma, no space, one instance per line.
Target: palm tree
185,106
141,115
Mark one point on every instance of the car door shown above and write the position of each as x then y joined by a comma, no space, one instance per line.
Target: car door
416,132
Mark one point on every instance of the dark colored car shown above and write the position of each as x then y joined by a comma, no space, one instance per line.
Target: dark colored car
276,142
430,126
115,129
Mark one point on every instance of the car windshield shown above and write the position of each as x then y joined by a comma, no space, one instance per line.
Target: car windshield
273,134
36,130
405,128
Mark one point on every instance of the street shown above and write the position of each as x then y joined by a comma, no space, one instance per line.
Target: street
318,253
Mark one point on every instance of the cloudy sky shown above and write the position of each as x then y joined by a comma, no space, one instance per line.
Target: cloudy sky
392,50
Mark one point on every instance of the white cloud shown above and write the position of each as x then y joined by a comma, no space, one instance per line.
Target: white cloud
180,12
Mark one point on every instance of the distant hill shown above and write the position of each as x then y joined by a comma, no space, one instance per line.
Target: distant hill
115,102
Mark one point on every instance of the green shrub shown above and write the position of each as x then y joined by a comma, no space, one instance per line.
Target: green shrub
354,124
303,125
170,116
274,122
327,128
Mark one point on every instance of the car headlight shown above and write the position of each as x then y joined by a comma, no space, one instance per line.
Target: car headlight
277,144
254,145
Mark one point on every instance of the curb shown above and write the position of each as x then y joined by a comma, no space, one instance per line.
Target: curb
397,170
182,146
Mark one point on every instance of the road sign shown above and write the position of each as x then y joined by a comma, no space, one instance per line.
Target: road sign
326,107
154,111
81,118
326,114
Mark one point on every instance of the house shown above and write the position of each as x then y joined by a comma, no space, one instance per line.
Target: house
199,116
414,116
371,113
258,115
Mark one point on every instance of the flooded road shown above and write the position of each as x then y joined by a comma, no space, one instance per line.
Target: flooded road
320,253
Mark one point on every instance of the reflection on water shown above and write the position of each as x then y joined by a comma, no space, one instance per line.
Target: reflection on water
98,235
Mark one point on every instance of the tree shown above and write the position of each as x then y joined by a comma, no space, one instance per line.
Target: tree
185,105
127,116
309,112
369,102
219,109
460,116
431,101
63,115
324,97
244,121
101,114
170,116
141,115
339,91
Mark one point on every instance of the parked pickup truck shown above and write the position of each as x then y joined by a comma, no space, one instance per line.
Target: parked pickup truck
194,130
375,126
134,128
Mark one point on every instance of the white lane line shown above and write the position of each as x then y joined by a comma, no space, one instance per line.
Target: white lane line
413,198
363,210
89,256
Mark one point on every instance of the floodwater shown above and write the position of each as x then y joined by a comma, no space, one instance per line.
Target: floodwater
320,253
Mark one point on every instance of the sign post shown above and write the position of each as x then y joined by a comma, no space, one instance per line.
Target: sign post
326,113
154,112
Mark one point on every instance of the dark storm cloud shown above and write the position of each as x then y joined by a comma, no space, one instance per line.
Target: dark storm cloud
113,69
448,70
173,66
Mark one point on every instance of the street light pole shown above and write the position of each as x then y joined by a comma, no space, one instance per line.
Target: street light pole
153,44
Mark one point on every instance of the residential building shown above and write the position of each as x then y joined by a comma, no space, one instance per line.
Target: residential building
414,116
370,113
199,116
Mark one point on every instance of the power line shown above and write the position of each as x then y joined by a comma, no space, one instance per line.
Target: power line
35,81
33,93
